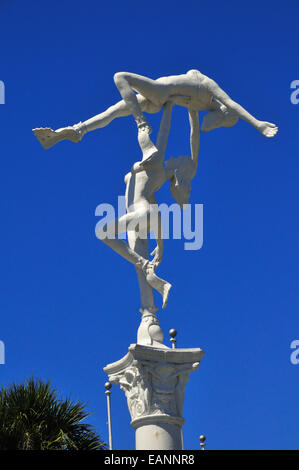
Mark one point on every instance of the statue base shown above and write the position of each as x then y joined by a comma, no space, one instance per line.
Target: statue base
154,380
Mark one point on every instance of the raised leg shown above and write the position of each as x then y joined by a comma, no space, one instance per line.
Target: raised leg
152,90
49,137
120,109
107,234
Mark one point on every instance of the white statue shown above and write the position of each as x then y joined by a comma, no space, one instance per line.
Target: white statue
144,179
193,90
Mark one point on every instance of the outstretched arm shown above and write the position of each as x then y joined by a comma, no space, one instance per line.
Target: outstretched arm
164,128
194,135
266,128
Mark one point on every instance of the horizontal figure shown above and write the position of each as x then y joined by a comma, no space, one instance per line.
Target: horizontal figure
142,94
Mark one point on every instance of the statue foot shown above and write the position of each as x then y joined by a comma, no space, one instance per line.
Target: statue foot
48,137
163,287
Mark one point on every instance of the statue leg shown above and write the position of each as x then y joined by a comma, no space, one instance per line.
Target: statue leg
149,332
107,234
49,137
120,109
140,246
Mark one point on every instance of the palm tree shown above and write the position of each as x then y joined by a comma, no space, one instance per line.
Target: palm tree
33,418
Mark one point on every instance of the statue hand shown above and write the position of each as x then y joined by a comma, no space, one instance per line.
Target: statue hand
143,126
268,129
157,254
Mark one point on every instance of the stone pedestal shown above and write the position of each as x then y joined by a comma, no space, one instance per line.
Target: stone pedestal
154,380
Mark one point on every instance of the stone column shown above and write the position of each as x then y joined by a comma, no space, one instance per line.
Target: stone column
154,380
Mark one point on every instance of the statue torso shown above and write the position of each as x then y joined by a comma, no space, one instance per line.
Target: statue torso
142,185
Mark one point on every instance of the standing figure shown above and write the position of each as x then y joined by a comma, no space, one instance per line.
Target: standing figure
192,90
144,179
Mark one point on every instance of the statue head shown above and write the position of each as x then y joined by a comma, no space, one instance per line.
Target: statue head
183,170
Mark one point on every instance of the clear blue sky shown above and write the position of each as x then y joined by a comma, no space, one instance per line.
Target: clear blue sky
69,306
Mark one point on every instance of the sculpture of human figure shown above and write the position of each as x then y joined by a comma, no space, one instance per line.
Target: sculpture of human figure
193,90
141,184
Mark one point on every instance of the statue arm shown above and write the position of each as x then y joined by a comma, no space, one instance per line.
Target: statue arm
220,95
194,135
164,128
